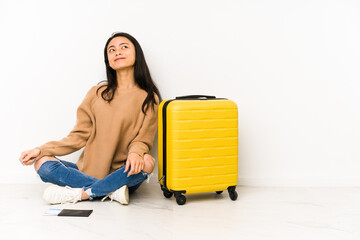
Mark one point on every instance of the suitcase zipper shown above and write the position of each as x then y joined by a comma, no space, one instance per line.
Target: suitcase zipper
164,141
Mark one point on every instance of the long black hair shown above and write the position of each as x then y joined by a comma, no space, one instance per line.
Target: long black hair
141,74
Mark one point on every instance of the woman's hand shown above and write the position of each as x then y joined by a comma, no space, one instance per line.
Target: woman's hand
136,162
28,157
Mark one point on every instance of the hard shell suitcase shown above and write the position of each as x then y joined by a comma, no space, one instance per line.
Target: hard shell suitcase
198,146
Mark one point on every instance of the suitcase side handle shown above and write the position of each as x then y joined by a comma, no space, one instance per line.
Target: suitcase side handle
196,96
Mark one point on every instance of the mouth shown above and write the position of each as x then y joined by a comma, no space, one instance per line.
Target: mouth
119,58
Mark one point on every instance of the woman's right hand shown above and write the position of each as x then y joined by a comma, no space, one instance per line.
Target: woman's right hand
28,157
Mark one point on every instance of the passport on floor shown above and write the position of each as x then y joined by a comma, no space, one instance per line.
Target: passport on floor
68,212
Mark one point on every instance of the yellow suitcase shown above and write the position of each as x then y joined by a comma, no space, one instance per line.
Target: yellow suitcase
198,146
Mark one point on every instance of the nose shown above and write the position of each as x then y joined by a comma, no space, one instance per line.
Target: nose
118,53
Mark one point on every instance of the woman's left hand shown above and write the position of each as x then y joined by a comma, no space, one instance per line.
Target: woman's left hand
136,162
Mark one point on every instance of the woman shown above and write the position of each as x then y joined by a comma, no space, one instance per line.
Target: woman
116,122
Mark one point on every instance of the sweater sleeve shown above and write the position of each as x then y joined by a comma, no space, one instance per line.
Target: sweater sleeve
78,137
143,141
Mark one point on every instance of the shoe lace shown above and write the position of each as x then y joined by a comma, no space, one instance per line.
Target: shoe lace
109,195
71,195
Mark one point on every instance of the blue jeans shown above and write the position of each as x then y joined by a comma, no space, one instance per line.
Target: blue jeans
65,173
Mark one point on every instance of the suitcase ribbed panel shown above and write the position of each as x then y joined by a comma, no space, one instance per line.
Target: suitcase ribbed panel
202,145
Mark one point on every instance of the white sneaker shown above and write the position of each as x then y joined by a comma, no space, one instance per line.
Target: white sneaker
121,195
55,194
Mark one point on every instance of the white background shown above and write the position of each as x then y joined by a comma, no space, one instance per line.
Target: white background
292,67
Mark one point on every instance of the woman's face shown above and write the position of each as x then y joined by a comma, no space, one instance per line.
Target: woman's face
121,53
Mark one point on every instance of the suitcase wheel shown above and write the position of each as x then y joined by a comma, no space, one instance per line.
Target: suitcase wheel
232,193
219,192
180,199
167,193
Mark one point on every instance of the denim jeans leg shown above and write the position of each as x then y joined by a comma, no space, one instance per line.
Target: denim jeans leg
114,181
64,173
134,188
69,164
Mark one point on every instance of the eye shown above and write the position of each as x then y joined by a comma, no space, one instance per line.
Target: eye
111,50
124,47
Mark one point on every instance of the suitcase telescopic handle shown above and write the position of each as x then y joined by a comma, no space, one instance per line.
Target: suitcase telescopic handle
196,96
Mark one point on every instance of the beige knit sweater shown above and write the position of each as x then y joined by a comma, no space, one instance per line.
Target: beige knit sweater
109,131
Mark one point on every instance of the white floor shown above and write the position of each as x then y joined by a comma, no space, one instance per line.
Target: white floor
259,213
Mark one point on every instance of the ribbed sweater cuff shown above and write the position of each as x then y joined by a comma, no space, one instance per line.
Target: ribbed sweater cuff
42,152
139,148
